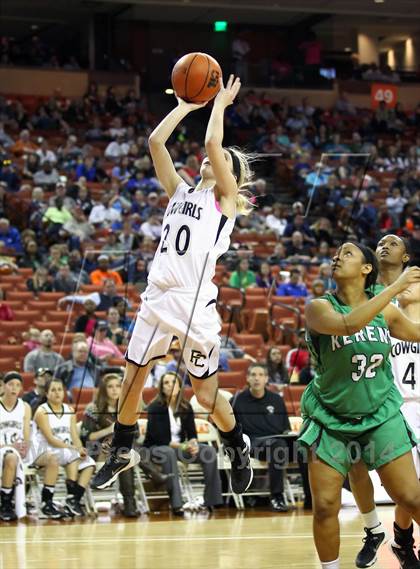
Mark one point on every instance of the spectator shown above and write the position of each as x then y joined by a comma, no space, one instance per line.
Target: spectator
279,255
294,287
78,226
171,436
296,250
277,221
264,278
82,369
263,417
24,145
31,339
44,356
87,169
395,204
152,227
9,176
325,276
6,313
101,346
40,282
86,322
47,177
103,273
103,300
117,148
55,217
276,369
318,290
115,332
64,280
45,154
104,214
33,398
297,358
32,257
242,278
10,236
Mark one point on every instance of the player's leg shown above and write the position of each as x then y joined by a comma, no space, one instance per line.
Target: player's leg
237,445
363,492
326,484
147,343
400,480
10,462
201,357
49,462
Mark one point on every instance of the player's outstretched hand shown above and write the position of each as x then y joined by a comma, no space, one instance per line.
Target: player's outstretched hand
408,277
189,106
227,95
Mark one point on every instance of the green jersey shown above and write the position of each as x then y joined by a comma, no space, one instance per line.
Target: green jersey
353,373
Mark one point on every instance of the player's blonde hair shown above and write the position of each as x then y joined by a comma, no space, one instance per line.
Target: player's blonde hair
244,176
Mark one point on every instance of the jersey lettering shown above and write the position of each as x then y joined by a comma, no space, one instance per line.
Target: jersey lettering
368,334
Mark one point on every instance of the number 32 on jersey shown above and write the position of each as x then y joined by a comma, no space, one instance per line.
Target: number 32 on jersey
366,368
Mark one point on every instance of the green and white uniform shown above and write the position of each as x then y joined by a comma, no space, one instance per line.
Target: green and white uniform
351,409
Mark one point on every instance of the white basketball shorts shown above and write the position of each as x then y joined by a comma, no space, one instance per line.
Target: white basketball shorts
168,313
411,411
65,456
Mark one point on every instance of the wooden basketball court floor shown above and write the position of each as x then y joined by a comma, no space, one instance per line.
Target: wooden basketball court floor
226,540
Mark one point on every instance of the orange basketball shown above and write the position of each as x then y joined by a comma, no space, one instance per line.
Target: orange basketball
195,77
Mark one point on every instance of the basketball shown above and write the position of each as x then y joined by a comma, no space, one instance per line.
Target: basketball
195,77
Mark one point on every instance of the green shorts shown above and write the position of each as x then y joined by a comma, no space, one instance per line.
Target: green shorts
375,439
375,447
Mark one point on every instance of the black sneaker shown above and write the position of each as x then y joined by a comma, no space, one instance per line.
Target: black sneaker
49,510
73,507
367,556
405,555
7,511
278,505
114,465
241,472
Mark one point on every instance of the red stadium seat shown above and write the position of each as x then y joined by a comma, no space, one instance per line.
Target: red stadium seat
82,396
254,339
21,296
56,327
50,296
28,380
7,364
240,365
28,315
17,352
149,393
232,379
42,305
14,327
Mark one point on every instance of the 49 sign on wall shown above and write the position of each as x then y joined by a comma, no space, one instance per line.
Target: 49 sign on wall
384,92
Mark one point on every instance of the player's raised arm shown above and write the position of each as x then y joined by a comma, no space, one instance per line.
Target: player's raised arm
162,160
322,319
226,183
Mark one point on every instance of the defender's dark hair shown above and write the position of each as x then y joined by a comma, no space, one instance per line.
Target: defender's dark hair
407,250
370,259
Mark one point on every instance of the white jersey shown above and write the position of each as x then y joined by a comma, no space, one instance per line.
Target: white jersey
12,423
60,425
195,233
405,359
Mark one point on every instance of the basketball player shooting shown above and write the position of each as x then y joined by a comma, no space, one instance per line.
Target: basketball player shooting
180,299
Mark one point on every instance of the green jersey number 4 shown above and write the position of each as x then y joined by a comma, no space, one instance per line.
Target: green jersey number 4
364,367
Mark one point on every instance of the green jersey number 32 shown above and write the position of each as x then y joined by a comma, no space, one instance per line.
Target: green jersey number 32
364,367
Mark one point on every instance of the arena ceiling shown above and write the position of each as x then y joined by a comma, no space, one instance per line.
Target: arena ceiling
18,17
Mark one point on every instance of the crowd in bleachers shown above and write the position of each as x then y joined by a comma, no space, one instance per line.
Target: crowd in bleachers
81,216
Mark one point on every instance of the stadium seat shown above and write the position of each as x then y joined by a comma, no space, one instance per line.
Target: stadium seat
254,339
241,365
43,306
28,380
18,352
82,396
7,364
50,296
14,327
28,315
149,393
231,379
56,327
21,296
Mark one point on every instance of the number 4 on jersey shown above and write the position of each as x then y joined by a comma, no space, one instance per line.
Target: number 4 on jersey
409,376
